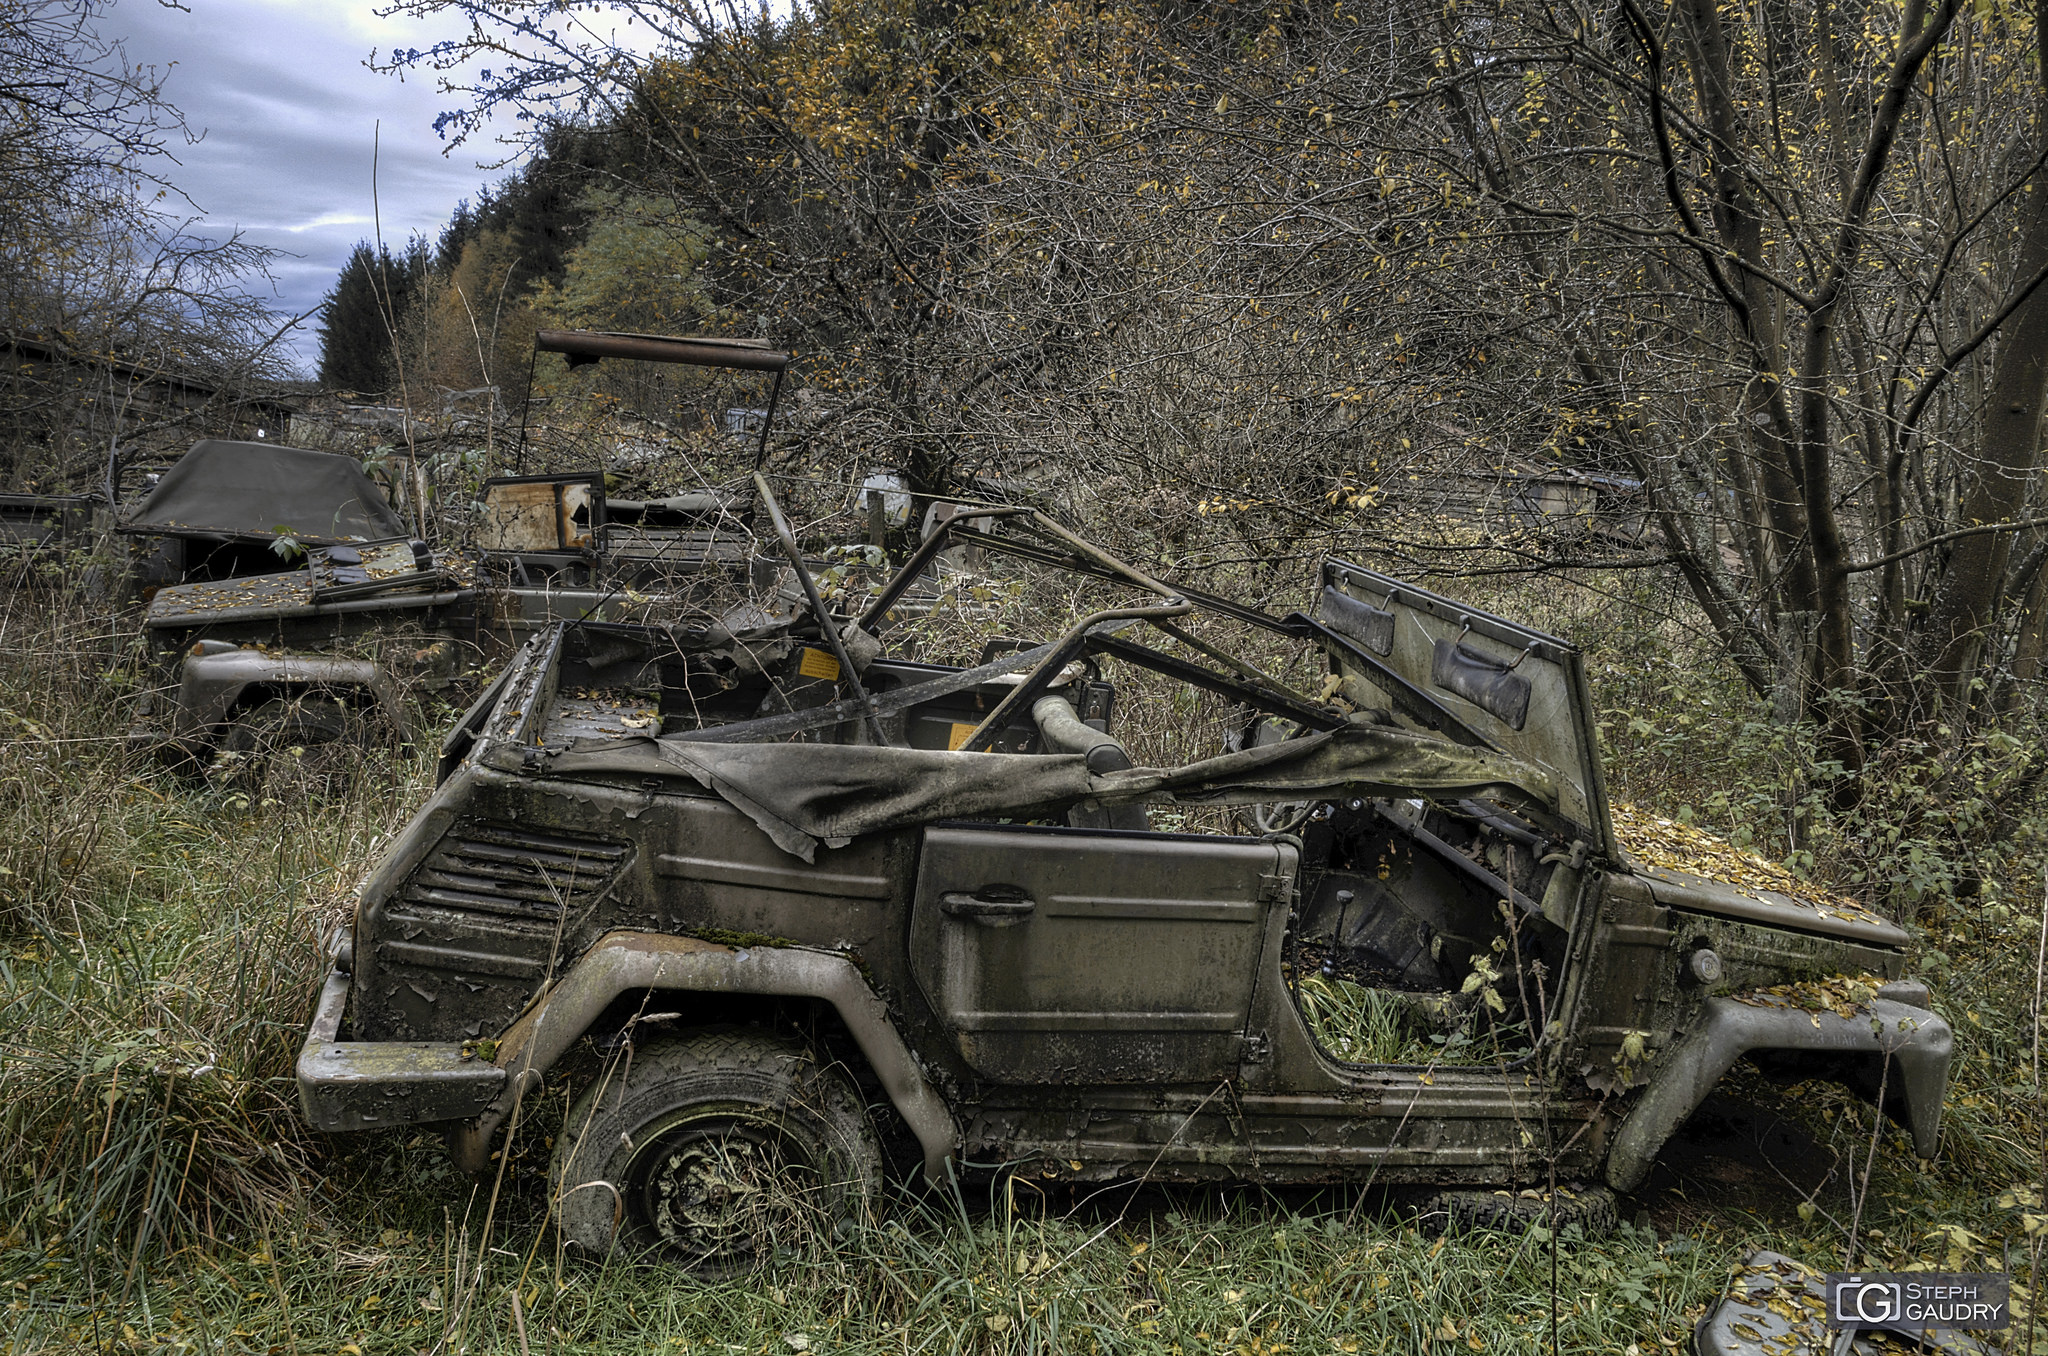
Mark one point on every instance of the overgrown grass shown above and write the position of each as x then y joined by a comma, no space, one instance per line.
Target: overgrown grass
158,960
1236,1273
1359,1024
1366,1025
160,956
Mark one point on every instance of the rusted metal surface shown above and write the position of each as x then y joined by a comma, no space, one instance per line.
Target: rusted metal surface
1916,1043
1002,938
540,514
1635,974
626,962
211,684
367,1085
1689,893
746,354
359,616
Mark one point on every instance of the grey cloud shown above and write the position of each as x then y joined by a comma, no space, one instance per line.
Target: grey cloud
289,113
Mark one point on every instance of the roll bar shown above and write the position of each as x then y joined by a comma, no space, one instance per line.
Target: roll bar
582,347
588,346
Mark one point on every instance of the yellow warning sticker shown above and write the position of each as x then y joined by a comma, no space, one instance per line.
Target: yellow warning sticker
958,736
818,664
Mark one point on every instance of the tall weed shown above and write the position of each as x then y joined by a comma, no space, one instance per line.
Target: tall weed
160,953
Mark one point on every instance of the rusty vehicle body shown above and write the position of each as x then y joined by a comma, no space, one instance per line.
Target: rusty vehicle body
848,912
254,647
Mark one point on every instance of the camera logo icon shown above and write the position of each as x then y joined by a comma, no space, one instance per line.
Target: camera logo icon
1853,1301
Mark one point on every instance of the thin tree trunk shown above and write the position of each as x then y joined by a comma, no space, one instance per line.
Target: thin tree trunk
1965,602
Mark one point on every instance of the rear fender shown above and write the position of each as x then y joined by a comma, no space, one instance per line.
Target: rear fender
1917,1042
627,962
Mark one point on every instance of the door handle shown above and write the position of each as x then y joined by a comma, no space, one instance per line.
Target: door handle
991,904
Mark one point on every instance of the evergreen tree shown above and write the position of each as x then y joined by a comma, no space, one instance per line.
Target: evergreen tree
354,346
369,303
538,208
547,214
460,230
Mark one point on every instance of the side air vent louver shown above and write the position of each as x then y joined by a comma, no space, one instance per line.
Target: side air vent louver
505,869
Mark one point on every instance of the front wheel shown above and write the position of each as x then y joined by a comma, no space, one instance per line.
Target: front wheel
711,1152
309,742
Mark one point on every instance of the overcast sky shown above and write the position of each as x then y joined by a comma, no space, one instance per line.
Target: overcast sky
290,115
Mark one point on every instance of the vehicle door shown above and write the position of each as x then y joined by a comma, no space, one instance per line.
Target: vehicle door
1082,956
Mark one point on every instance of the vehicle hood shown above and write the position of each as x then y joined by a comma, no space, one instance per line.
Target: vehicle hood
1690,893
1692,869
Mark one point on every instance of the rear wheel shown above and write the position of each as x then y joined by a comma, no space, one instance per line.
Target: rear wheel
712,1152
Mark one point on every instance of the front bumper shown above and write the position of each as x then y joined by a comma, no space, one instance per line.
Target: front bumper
376,1085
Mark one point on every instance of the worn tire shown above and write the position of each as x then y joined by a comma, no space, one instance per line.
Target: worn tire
711,1152
308,739
1457,1212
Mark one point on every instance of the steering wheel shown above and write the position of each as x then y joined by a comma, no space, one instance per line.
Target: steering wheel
1285,816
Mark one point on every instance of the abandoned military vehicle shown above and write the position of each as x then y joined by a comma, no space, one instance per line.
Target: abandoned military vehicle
794,915
302,606
318,655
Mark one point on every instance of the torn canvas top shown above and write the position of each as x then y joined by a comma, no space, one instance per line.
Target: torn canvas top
802,794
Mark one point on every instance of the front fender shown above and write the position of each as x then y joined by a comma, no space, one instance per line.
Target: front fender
623,962
1918,1044
210,686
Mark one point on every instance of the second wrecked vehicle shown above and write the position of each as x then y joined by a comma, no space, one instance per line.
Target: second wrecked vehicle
250,655
252,643
793,915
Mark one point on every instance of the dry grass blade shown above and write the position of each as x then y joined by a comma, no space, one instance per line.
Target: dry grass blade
160,956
